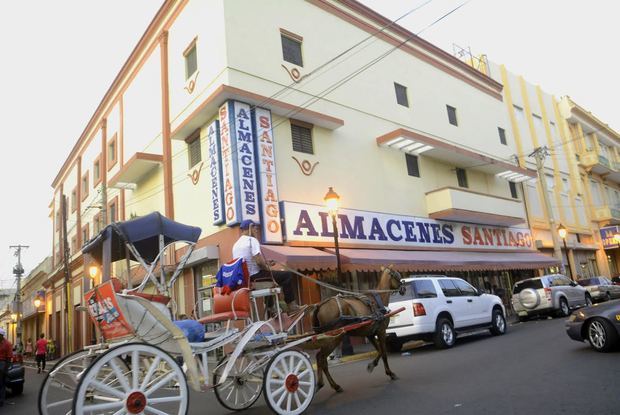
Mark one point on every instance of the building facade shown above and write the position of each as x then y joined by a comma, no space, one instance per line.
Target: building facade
251,117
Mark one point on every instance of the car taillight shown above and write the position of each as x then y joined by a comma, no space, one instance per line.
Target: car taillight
548,293
418,310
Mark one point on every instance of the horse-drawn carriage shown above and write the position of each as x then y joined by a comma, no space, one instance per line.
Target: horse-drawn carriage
145,362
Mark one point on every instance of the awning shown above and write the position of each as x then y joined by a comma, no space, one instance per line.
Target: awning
373,260
300,257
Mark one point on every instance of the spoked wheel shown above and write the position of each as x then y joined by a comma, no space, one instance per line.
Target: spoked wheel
289,383
56,393
152,382
242,386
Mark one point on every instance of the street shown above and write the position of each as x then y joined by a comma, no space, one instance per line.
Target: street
534,369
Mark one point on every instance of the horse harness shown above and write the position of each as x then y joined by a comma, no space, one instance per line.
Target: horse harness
377,311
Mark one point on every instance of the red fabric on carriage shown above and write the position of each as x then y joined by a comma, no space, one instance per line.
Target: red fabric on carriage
233,306
156,298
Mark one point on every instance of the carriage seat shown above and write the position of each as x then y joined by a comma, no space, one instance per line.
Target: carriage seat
156,298
233,306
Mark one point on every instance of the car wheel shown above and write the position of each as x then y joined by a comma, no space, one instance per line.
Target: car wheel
444,334
564,311
601,335
588,300
394,346
17,389
498,324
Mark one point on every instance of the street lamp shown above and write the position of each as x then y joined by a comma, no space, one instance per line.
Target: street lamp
37,304
563,233
332,200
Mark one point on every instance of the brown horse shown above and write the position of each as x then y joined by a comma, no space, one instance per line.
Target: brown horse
328,315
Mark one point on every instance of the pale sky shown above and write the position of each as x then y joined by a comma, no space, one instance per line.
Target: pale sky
59,58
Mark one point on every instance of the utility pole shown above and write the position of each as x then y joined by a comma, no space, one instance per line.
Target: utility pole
18,270
539,154
66,254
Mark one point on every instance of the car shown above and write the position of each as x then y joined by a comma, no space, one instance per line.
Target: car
438,308
600,288
16,375
599,325
548,294
615,280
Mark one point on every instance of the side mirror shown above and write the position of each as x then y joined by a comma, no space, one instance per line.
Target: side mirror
573,284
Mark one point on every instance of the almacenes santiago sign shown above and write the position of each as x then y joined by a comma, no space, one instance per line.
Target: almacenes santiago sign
310,223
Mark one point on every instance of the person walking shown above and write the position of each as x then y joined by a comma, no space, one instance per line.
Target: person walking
41,351
6,356
29,348
248,248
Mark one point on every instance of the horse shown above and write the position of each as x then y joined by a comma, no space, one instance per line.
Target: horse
329,315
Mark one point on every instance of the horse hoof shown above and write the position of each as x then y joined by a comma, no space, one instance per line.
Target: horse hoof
370,367
393,376
338,389
319,386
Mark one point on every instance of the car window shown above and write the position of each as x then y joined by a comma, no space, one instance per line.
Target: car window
558,282
423,289
587,281
449,289
401,295
522,285
464,288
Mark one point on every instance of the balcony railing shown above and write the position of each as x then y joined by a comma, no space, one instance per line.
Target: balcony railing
609,214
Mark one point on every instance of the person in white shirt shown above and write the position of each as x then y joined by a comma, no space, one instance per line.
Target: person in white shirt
248,248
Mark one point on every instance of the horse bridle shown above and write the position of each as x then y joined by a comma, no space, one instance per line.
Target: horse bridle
401,282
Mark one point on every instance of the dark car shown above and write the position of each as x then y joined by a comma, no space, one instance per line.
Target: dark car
598,324
615,280
16,377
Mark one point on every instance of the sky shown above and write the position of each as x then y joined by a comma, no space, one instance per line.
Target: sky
60,57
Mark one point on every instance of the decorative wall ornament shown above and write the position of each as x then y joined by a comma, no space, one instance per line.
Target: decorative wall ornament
191,85
195,174
294,74
306,167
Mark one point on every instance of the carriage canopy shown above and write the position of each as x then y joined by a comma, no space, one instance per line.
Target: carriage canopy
143,233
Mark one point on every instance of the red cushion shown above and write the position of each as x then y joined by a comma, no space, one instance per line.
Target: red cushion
223,303
157,298
216,318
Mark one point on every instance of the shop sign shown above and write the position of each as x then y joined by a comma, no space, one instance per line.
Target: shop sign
215,172
607,235
238,159
311,223
270,208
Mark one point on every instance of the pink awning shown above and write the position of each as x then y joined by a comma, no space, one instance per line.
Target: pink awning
374,259
301,258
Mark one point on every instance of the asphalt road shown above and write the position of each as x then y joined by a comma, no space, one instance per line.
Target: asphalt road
533,369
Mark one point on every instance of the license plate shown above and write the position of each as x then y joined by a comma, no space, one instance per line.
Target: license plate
522,313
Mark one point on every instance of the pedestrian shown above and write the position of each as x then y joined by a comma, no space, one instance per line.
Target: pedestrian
41,351
29,348
51,349
248,248
6,356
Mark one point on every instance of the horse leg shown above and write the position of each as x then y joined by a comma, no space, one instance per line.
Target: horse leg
326,351
319,368
373,364
384,356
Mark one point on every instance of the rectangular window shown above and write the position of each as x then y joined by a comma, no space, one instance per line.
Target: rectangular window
112,152
193,148
191,60
401,95
85,186
502,135
513,190
74,244
448,288
301,134
461,177
519,113
74,200
96,171
85,233
423,289
465,289
412,165
452,115
291,48
113,211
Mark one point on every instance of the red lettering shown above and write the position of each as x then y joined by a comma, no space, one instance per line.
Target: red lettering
488,236
265,138
466,235
273,226
511,238
272,210
270,197
478,237
520,239
264,121
498,235
230,213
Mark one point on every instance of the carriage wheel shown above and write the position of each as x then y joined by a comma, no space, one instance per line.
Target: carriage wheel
60,383
289,383
153,384
243,384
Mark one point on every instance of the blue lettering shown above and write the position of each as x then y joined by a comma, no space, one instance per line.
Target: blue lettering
390,224
245,149
448,236
436,235
305,222
246,160
247,172
375,229
324,231
242,114
248,184
425,235
249,197
244,136
250,209
354,232
409,231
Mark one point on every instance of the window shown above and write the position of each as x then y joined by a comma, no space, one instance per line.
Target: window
449,289
74,200
465,289
291,48
74,244
85,233
502,136
97,223
412,165
96,171
113,211
525,284
461,177
401,95
193,148
302,137
452,115
191,60
519,113
112,152
423,289
513,190
85,186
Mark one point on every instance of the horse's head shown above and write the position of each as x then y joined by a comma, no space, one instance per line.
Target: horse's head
396,280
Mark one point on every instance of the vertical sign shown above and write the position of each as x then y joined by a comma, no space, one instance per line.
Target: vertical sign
231,209
245,161
270,208
215,172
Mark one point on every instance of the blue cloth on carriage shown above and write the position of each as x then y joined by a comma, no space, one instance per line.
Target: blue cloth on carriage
232,275
193,330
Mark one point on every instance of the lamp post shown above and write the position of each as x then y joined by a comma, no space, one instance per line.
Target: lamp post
37,304
563,233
